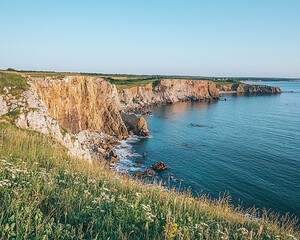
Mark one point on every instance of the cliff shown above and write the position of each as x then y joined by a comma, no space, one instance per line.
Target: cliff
168,91
247,88
85,113
82,103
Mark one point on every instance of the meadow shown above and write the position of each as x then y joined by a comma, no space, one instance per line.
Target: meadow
46,194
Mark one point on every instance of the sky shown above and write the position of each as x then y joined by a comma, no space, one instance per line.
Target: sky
252,38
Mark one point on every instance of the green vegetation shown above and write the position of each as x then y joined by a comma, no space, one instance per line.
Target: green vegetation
45,194
229,81
16,82
133,82
12,115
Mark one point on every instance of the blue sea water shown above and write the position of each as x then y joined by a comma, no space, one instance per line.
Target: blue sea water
248,145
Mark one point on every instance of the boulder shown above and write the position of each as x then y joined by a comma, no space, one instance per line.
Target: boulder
139,174
149,172
112,153
160,166
114,159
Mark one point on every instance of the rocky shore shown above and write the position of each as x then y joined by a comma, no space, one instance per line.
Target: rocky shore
90,117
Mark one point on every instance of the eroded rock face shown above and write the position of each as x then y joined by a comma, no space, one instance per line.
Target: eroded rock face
135,124
168,91
248,88
82,103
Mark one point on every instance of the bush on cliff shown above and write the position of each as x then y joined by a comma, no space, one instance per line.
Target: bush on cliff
45,194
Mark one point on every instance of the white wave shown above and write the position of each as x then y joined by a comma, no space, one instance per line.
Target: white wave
126,153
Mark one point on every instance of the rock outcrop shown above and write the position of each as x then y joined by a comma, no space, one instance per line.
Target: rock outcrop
160,166
135,124
3,106
248,88
168,91
82,103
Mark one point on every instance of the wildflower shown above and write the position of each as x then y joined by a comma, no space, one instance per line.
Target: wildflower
171,229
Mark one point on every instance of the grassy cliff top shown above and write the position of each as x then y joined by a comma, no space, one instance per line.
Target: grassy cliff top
45,194
122,81
16,82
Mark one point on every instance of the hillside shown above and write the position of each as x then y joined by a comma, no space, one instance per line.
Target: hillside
45,194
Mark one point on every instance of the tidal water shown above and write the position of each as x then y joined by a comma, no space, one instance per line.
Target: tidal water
248,145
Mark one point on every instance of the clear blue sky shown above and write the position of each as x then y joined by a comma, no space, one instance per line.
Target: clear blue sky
200,37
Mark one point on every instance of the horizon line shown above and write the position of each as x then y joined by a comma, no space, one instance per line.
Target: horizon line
136,74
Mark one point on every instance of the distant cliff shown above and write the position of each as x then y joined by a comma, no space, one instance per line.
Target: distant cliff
248,88
168,91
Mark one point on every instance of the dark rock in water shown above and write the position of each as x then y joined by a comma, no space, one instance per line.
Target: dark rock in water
200,125
147,113
160,166
139,174
196,125
139,161
147,173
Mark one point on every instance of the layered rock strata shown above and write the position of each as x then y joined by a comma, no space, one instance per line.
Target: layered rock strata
82,103
168,91
247,88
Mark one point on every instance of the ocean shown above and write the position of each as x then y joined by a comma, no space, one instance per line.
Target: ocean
247,146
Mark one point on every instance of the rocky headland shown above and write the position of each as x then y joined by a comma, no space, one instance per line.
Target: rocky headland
247,88
89,116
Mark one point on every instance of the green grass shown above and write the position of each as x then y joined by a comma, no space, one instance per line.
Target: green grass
15,81
231,81
45,194
133,82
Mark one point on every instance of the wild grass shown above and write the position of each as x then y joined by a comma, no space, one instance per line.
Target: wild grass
45,194
16,82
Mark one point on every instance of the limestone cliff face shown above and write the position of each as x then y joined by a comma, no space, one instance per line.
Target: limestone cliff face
91,110
82,103
168,91
247,88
